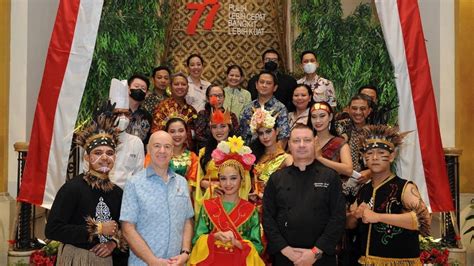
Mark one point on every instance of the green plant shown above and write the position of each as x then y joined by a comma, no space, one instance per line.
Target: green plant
351,51
130,39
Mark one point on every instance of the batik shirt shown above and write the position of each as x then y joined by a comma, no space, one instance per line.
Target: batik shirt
323,90
274,106
152,100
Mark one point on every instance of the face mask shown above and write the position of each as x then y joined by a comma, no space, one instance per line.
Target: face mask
137,94
271,66
309,68
123,122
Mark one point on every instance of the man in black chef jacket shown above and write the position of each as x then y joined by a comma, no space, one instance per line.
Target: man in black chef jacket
303,207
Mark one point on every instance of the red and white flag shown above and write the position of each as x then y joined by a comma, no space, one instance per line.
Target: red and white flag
65,74
421,157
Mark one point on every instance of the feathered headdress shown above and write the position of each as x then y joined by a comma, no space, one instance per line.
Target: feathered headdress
381,136
234,153
262,118
217,116
101,130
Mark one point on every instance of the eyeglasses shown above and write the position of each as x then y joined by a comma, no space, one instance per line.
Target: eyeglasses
271,59
220,96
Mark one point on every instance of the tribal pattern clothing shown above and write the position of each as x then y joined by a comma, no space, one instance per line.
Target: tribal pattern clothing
382,243
75,201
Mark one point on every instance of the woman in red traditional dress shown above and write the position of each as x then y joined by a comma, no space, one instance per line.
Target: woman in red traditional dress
332,151
227,231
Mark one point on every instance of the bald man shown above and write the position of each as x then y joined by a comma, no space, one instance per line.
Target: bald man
156,214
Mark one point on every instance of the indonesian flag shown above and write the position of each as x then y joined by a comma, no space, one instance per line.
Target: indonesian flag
421,157
67,66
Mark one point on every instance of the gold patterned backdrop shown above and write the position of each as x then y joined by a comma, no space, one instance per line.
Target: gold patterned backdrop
225,44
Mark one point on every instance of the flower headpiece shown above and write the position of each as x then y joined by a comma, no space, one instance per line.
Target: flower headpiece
101,131
381,136
262,118
321,106
233,149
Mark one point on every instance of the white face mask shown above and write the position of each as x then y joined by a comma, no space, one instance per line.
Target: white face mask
309,68
123,122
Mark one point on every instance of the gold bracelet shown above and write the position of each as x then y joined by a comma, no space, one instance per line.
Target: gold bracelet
414,218
99,228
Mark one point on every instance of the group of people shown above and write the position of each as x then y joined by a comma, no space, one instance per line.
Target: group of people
271,175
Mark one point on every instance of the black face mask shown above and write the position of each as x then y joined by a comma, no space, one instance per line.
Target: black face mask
271,66
137,94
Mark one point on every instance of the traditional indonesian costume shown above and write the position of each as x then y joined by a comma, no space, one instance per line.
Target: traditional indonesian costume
384,244
242,219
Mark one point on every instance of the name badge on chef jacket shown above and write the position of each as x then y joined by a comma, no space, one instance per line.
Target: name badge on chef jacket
323,185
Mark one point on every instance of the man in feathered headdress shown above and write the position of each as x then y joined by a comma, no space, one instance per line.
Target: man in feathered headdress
85,211
389,209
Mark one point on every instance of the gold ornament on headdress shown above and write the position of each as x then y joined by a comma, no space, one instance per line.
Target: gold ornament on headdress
175,115
320,106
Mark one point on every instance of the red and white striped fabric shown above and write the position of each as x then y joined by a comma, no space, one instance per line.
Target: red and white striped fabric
67,66
421,157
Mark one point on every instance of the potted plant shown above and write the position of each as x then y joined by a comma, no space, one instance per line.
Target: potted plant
45,256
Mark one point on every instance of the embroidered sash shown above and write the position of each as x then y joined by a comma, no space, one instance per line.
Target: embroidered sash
225,222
